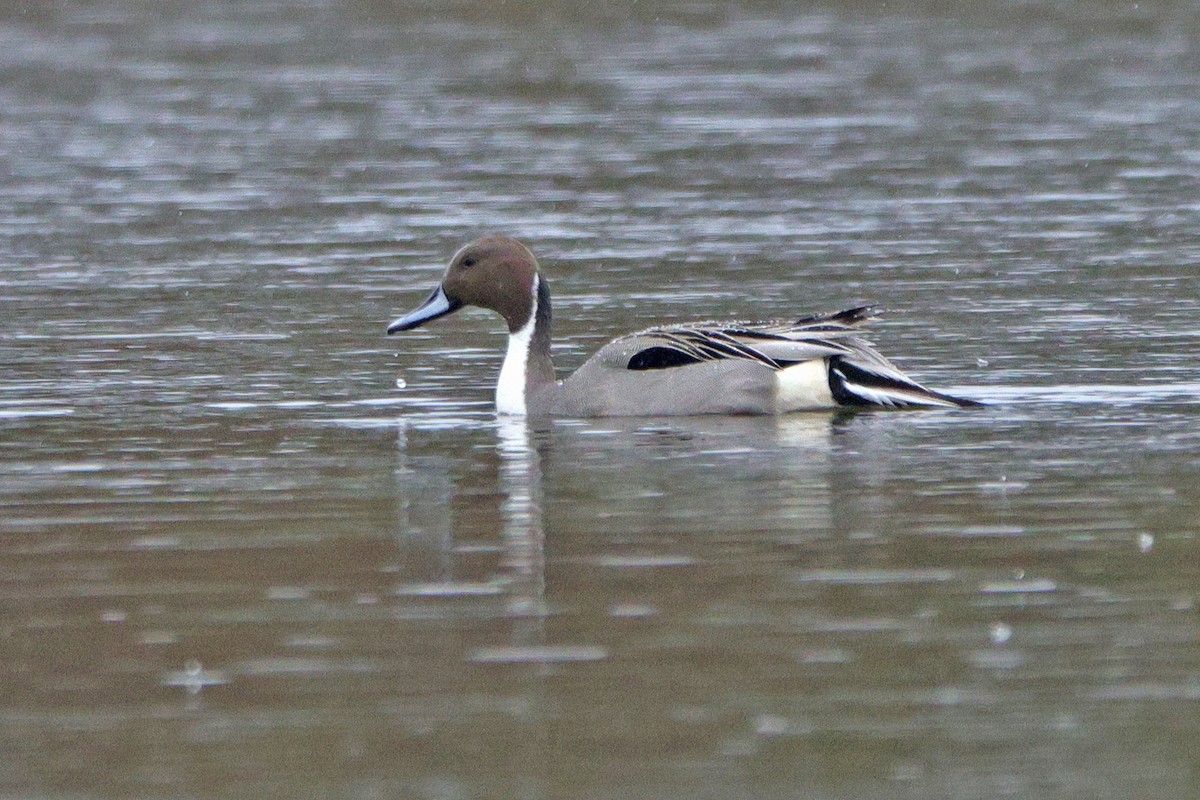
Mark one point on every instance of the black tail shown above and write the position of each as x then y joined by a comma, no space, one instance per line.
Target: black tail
853,385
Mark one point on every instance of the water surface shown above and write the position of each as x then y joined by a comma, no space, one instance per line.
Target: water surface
250,546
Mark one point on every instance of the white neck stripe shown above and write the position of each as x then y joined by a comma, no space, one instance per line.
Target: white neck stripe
510,389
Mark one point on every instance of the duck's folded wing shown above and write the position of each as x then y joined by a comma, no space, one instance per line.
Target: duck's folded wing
665,348
774,344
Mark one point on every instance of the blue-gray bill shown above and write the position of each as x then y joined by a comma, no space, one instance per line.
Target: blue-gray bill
436,305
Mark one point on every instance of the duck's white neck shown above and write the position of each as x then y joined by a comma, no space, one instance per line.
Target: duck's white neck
510,389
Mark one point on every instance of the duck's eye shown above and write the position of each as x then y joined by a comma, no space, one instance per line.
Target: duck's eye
468,262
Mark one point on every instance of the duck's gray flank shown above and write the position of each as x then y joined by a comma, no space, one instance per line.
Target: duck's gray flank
719,367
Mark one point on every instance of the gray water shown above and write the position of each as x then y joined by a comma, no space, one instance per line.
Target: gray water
251,547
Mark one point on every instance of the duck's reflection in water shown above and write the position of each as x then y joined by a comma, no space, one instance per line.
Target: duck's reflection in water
521,515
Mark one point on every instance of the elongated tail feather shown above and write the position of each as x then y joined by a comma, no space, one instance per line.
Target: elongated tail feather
852,385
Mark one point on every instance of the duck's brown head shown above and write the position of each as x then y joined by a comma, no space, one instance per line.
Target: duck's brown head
495,272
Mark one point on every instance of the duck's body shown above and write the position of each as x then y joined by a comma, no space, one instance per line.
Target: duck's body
818,362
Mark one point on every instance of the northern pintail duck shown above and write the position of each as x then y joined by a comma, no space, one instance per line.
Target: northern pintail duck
816,362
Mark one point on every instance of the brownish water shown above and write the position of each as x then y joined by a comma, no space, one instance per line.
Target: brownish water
250,547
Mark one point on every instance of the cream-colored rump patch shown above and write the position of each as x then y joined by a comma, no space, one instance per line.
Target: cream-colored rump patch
803,386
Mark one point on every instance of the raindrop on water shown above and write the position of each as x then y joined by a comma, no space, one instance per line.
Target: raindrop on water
1000,633
194,671
401,383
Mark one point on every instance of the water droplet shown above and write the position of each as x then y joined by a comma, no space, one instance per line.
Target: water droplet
1000,633
770,725
193,682
193,678
631,610
401,383
1145,542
